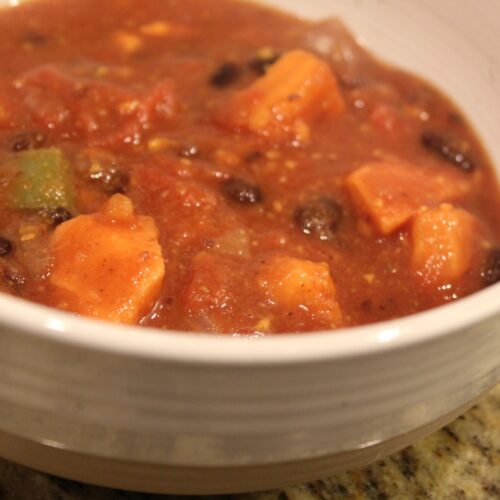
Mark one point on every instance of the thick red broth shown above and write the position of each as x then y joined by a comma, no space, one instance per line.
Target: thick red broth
213,165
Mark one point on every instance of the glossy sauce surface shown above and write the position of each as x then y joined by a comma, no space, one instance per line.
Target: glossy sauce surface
136,94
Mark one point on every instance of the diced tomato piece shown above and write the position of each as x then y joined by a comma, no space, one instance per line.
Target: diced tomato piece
301,286
103,112
186,210
213,292
101,107
445,240
47,94
386,118
283,103
7,108
168,193
108,265
159,104
390,194
5,115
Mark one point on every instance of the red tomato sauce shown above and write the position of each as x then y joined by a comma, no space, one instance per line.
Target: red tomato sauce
211,165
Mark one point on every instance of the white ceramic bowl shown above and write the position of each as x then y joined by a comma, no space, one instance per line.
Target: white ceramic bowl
184,413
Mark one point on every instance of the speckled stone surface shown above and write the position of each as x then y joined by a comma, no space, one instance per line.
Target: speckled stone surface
462,461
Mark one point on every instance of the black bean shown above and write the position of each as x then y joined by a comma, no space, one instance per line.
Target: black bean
253,156
189,151
455,118
441,146
13,274
110,177
351,82
388,304
319,218
367,305
6,247
35,38
261,64
59,215
27,140
491,270
225,75
242,191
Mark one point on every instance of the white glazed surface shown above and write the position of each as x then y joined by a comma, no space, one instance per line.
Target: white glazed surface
194,400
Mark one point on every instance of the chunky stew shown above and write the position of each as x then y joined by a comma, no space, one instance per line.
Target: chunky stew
213,165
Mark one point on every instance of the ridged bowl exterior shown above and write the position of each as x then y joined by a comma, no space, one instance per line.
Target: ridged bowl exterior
194,401
236,414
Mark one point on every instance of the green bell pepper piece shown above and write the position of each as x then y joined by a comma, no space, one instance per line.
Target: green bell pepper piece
43,180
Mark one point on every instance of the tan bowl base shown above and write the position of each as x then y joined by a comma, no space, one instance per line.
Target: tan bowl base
155,478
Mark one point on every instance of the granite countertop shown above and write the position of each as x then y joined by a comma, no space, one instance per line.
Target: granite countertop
462,461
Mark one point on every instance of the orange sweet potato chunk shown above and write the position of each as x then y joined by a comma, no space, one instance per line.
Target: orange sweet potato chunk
445,241
108,265
297,284
390,194
284,102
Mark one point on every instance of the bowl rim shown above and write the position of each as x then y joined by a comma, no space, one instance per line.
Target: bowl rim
70,329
